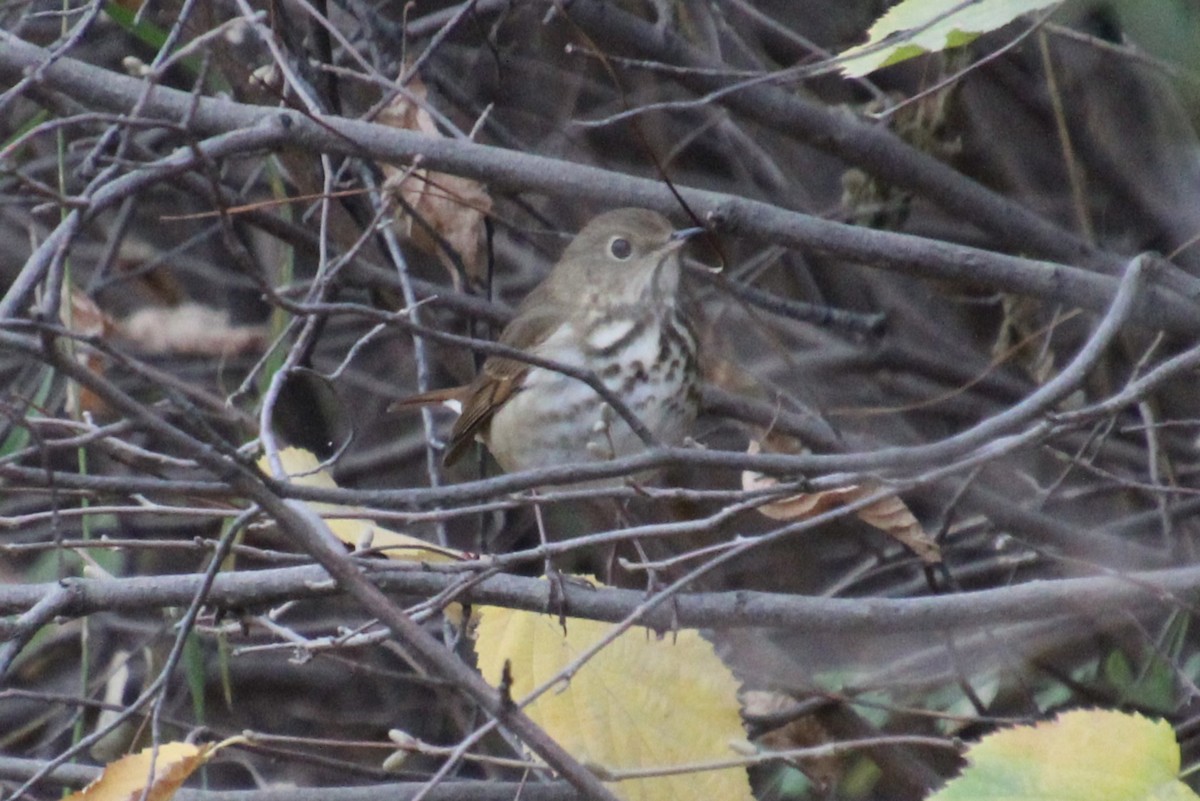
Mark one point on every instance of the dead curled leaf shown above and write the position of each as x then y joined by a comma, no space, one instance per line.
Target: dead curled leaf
888,514
89,320
451,207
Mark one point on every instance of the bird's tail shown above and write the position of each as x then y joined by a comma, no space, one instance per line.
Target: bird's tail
451,397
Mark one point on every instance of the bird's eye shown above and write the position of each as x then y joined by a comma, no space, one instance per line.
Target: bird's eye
620,248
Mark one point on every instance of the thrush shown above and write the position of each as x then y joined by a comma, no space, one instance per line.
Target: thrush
610,305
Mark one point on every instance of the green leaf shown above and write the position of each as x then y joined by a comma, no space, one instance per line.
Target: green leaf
1118,671
193,665
1151,685
1084,755
149,34
916,27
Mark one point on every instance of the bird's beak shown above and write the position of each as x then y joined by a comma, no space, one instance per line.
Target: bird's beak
679,238
682,235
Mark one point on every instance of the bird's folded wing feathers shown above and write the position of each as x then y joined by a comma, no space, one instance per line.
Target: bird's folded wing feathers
501,377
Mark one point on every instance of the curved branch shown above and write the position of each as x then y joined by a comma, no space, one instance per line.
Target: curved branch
514,171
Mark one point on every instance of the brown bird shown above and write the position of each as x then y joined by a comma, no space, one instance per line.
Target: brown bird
610,305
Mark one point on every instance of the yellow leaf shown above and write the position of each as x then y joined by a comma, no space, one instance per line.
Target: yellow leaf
1083,755
128,778
303,468
915,27
642,702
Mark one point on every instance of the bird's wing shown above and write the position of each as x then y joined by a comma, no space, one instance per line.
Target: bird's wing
501,378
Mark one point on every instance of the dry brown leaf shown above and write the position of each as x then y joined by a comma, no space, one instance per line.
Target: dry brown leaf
190,328
1024,338
728,374
87,319
888,514
803,731
454,207
130,778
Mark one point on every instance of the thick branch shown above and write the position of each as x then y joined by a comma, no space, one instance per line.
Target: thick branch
514,171
1077,597
490,790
